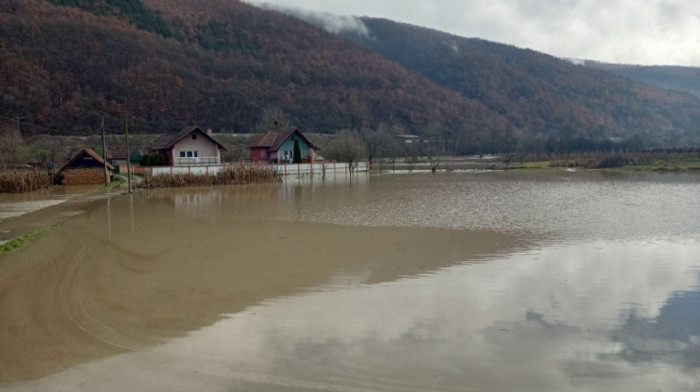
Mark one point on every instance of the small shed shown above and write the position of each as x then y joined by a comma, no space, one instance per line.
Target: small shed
85,168
278,147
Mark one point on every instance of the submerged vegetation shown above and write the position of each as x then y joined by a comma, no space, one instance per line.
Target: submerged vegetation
675,160
22,241
240,173
17,181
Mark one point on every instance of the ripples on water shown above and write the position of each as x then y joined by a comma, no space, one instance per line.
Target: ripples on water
563,205
604,298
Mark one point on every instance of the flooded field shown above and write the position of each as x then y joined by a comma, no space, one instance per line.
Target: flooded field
41,209
496,281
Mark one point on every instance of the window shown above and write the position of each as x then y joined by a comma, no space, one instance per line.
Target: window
188,154
194,136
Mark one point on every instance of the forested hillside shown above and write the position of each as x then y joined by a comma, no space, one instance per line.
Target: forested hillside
684,79
215,63
163,64
550,101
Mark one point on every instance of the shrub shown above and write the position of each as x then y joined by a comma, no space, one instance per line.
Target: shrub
17,181
613,161
297,152
155,159
241,173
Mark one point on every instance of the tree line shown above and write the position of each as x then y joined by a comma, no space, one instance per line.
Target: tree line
67,63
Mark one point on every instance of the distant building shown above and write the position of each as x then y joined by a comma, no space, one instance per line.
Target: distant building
278,147
411,139
117,155
189,147
85,168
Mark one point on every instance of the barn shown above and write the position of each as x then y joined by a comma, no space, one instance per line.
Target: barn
85,168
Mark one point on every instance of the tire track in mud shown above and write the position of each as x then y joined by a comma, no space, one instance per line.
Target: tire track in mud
89,291
74,297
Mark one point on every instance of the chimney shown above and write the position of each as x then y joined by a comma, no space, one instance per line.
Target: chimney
209,131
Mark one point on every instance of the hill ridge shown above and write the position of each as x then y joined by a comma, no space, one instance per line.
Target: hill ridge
168,63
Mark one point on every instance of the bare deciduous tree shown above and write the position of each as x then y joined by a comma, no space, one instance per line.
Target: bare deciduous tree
347,147
377,142
411,152
382,143
434,146
273,118
10,145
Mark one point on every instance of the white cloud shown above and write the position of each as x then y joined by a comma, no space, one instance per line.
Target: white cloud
627,31
333,23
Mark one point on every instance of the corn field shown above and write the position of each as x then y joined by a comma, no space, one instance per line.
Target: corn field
240,173
18,181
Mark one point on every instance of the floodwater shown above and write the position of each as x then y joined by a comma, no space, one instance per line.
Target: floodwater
17,204
44,208
495,281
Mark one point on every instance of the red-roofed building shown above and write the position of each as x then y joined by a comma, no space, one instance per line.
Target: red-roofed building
278,147
190,147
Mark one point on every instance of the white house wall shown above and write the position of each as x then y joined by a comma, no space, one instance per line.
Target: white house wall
288,169
205,148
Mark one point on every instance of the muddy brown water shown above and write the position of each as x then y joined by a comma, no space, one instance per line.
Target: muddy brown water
462,281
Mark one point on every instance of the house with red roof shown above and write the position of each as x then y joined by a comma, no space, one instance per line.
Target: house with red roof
278,147
189,147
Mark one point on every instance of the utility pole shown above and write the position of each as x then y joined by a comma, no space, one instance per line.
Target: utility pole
128,163
15,142
104,152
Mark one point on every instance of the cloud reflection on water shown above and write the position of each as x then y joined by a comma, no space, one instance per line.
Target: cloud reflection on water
566,317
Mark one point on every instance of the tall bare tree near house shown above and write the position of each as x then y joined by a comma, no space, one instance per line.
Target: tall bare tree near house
393,151
347,147
392,148
378,142
10,145
273,118
434,146
410,153
372,144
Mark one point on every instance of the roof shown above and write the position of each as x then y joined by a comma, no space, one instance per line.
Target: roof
116,153
273,140
166,142
119,153
90,152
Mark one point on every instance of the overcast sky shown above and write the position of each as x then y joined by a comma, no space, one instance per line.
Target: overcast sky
621,31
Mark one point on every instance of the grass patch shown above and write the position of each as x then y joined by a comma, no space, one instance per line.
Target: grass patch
526,165
629,161
22,241
116,181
